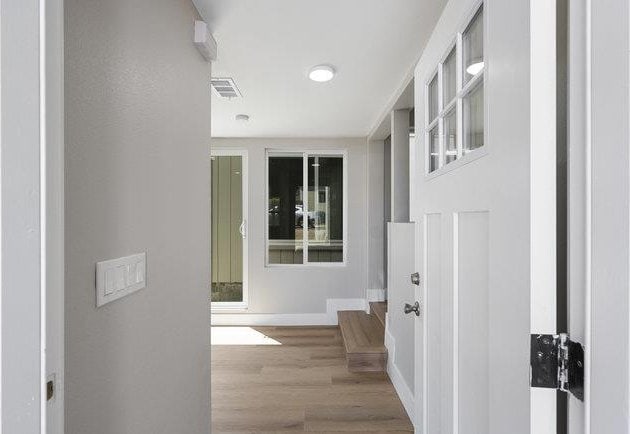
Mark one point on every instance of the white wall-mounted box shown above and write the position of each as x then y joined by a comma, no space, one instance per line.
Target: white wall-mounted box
204,41
116,278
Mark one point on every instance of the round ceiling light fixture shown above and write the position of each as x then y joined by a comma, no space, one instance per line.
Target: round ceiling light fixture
321,73
242,118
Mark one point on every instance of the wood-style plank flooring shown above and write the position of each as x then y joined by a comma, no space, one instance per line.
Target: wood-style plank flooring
298,382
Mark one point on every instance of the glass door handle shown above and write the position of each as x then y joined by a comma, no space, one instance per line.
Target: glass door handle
243,228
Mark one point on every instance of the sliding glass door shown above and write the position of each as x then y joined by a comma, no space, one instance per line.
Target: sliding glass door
229,229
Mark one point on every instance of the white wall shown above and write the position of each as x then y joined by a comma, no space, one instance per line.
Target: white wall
376,214
137,179
400,166
401,340
286,290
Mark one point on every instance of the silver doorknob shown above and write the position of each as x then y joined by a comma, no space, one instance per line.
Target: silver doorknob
415,308
415,278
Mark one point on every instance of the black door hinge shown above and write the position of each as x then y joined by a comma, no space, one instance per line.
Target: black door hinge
557,363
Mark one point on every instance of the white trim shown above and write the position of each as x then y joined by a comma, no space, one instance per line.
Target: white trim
55,351
588,260
333,305
376,295
543,200
400,385
422,402
235,152
43,211
455,323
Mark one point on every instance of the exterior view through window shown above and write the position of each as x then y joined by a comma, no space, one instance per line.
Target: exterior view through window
305,225
228,230
454,124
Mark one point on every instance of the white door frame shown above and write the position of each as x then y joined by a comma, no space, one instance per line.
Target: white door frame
228,152
31,222
599,214
54,213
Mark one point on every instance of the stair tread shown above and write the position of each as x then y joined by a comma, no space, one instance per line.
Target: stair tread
362,333
379,308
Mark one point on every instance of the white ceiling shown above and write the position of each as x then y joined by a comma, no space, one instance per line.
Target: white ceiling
268,47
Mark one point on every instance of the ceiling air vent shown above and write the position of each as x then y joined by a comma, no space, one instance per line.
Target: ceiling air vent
225,88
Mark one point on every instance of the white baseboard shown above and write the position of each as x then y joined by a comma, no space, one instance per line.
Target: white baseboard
377,294
333,305
403,391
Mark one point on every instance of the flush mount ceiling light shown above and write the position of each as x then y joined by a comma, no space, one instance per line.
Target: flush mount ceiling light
475,67
242,118
321,73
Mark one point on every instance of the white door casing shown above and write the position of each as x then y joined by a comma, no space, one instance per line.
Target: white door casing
486,250
31,270
55,203
599,217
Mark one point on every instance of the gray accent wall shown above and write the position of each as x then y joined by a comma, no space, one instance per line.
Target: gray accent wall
137,122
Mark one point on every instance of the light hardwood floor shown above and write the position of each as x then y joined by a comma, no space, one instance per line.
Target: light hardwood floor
299,384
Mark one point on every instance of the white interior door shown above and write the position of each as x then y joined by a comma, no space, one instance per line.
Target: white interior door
483,190
599,234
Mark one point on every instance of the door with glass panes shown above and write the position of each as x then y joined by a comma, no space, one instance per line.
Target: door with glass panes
485,221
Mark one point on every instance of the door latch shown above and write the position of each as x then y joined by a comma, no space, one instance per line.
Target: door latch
415,278
415,308
557,363
50,390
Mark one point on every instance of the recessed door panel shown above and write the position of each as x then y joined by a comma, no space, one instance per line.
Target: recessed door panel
438,314
472,364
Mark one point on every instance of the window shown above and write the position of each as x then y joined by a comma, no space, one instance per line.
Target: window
454,124
306,225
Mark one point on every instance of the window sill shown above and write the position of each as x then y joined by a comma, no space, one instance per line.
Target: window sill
309,265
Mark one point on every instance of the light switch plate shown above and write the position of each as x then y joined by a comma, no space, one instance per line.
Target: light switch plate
116,278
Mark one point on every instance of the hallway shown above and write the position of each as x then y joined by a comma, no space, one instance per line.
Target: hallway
271,379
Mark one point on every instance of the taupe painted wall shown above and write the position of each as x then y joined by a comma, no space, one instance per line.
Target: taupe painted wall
299,289
137,179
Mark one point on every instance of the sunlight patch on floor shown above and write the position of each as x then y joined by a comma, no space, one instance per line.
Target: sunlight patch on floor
239,336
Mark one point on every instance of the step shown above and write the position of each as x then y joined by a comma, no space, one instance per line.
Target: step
379,308
364,340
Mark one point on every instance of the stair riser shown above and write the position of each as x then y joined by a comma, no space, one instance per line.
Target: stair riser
367,362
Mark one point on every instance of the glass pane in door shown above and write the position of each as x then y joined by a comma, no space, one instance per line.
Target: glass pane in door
472,42
449,78
473,120
227,218
450,137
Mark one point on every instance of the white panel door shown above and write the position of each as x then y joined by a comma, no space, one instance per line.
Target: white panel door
483,190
